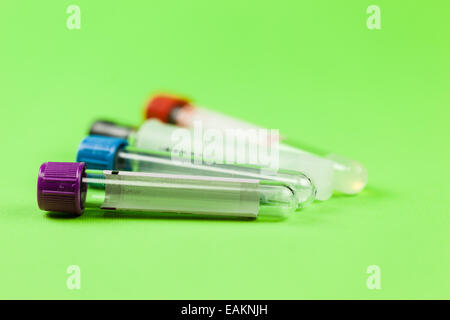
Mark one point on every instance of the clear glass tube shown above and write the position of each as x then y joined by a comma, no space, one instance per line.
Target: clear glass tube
131,158
185,194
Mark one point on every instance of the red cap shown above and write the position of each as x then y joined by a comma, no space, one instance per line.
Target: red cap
160,107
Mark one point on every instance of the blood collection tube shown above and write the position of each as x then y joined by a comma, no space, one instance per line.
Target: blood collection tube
350,176
158,136
70,187
110,153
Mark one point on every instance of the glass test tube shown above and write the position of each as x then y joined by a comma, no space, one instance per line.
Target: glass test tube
70,187
110,153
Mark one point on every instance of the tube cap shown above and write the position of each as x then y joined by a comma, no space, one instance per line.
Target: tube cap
110,129
160,107
99,152
59,187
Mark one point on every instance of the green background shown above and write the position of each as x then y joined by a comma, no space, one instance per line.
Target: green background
313,70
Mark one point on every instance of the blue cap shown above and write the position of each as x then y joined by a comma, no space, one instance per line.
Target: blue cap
99,152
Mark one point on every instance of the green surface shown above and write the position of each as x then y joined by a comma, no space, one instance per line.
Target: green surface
313,70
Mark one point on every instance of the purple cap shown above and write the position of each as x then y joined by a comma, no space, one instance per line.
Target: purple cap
59,187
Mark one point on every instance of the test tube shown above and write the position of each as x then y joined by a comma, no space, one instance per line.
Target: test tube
70,187
158,136
111,153
350,176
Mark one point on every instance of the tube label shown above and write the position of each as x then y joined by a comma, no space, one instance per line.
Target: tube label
209,196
